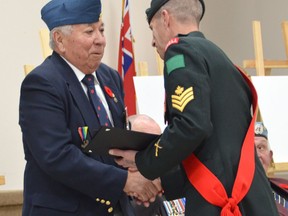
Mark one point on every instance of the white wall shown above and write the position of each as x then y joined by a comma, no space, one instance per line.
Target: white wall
227,23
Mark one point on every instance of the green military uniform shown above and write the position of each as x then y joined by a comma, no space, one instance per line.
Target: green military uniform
208,112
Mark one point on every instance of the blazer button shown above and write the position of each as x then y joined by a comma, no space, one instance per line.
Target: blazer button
110,209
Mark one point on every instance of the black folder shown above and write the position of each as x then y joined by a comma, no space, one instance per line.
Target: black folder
109,137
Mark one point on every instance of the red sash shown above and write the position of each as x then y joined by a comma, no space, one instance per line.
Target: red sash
209,186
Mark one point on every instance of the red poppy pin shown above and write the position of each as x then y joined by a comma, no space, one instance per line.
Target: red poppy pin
110,93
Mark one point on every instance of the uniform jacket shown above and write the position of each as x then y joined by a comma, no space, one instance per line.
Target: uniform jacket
208,112
59,179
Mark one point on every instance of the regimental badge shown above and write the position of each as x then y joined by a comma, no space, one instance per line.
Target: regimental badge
182,98
259,128
157,147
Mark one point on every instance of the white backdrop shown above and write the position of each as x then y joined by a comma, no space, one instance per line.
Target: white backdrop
273,104
150,97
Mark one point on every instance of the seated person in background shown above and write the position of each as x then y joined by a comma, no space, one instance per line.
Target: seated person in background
265,154
144,123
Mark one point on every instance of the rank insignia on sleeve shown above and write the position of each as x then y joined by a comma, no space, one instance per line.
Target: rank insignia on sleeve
182,98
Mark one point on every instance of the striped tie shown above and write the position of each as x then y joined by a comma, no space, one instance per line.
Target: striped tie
96,102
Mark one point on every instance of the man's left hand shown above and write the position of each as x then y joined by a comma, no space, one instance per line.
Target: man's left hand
125,158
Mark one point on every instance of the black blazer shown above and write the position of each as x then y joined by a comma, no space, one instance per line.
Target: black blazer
211,121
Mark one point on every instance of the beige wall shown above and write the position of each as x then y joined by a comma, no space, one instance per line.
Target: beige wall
227,23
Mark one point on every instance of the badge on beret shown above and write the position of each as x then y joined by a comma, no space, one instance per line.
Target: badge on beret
182,98
260,130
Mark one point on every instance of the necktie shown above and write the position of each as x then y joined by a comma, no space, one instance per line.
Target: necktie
96,102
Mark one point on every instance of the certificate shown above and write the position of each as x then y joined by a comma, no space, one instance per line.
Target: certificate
109,137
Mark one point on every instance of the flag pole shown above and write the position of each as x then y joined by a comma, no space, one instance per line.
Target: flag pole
123,1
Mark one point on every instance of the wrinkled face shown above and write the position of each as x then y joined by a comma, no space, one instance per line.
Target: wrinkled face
160,35
264,153
84,47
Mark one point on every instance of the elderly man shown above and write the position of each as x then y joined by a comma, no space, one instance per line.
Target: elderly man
63,102
265,154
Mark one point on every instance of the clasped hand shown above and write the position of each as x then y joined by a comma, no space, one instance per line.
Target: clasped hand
137,186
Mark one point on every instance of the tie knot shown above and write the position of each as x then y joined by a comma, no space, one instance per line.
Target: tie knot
88,80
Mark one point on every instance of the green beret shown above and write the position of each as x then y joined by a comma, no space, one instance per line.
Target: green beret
157,4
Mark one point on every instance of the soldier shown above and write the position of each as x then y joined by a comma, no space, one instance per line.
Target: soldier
203,153
265,154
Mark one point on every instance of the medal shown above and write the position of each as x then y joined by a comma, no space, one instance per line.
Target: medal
83,131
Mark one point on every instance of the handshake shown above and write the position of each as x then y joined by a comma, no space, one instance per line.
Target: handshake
144,191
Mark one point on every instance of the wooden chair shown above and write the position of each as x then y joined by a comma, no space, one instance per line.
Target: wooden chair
143,66
2,180
263,67
44,37
160,64
46,50
28,69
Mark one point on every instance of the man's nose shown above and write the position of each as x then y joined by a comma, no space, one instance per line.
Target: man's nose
99,38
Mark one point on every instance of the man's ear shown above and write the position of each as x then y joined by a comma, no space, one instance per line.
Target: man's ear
58,40
271,154
165,16
272,160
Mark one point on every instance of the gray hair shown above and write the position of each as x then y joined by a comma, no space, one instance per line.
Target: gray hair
66,30
184,11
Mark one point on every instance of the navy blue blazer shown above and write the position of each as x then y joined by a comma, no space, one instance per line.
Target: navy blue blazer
59,179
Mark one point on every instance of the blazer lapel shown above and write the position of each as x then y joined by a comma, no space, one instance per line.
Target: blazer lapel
78,95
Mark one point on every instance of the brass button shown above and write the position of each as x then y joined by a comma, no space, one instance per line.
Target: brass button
102,201
110,209
108,202
97,199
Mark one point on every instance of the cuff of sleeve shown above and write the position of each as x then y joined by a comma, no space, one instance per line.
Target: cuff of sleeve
173,183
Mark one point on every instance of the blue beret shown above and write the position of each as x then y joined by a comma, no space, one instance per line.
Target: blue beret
260,130
157,4
68,12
